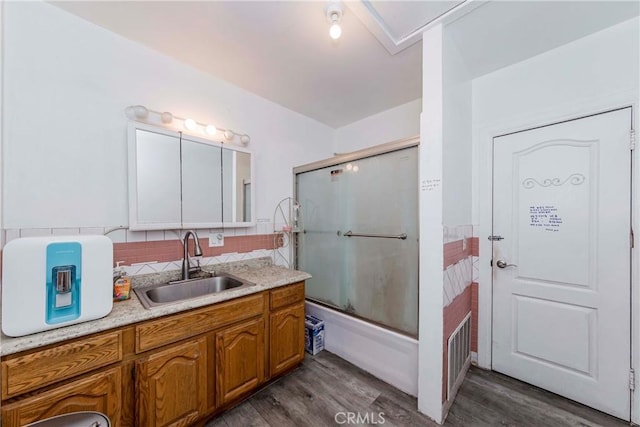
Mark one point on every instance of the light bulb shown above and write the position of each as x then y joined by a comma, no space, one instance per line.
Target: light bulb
245,139
190,124
335,31
349,166
166,117
228,134
130,112
141,112
210,130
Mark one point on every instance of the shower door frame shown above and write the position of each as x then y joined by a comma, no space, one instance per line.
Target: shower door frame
356,155
337,159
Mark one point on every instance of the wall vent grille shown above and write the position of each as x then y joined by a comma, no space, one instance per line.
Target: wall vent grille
459,354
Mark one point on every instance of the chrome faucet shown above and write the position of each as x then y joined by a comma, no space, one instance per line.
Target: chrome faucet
197,251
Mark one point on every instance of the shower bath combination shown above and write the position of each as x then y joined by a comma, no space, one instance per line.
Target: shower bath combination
360,235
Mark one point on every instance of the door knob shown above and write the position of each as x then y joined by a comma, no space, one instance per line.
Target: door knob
502,264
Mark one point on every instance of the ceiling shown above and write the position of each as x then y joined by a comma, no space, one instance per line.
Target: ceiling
281,50
278,50
502,33
400,24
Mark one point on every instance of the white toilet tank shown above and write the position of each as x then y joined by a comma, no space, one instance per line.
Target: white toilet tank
50,282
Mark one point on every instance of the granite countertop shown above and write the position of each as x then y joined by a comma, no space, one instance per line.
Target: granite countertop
258,271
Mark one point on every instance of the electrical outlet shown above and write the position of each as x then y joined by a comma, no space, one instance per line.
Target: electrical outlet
216,240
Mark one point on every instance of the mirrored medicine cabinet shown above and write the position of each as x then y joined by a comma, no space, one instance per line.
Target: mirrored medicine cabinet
183,181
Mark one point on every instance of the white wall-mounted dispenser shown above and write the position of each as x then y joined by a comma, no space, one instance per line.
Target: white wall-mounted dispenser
50,282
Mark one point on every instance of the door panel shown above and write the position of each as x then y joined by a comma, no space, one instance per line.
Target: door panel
240,358
561,305
553,208
172,385
539,337
286,331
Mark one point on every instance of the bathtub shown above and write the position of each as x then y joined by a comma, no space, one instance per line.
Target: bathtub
386,354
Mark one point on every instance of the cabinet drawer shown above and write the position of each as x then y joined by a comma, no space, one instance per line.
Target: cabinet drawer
157,333
35,370
287,295
99,392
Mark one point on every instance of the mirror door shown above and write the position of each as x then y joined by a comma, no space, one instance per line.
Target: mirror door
237,199
183,181
154,179
201,183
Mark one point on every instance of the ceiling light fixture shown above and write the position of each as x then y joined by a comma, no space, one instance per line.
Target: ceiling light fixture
334,15
137,112
166,117
142,113
190,124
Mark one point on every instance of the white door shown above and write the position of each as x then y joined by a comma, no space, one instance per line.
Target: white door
561,275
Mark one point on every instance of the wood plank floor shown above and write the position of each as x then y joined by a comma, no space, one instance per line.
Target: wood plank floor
326,385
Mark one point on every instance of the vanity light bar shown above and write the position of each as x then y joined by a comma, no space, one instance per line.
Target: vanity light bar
140,112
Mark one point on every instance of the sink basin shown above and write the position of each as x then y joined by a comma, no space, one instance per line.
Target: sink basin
166,293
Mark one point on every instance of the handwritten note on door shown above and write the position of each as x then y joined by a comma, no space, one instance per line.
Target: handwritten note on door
545,217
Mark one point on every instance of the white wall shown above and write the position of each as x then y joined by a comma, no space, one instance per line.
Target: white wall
456,147
430,198
445,197
396,123
67,83
2,237
592,74
557,83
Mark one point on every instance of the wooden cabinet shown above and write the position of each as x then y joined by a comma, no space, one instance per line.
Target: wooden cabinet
166,330
286,332
98,392
286,295
175,370
240,360
286,328
171,385
43,367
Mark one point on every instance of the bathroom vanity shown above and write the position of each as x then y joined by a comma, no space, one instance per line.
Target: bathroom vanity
176,365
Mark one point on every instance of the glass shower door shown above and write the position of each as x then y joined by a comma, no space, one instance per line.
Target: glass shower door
355,214
319,248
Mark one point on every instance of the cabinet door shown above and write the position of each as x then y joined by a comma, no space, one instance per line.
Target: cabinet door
237,171
201,183
100,392
240,359
171,385
286,332
154,178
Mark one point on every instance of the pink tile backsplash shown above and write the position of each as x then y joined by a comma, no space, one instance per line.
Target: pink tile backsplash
475,246
154,251
455,252
171,250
